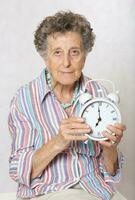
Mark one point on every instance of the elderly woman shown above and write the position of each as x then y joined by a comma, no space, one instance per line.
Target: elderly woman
49,158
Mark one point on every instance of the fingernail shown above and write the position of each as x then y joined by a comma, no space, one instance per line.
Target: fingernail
81,119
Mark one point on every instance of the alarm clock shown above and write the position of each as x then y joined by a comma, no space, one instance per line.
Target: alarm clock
99,112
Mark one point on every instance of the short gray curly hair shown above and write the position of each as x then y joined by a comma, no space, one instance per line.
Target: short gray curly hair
62,22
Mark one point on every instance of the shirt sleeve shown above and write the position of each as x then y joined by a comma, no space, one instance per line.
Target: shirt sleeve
107,176
22,149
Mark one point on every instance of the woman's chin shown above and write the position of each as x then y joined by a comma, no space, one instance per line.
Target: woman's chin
67,82
65,78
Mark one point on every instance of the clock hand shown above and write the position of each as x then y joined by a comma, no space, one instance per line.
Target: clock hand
97,124
99,120
99,117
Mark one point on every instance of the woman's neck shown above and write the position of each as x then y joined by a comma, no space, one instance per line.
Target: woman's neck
63,93
66,94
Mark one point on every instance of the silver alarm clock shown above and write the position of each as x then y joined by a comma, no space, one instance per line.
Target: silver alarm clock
99,112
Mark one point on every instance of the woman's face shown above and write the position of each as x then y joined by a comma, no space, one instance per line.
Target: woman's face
65,57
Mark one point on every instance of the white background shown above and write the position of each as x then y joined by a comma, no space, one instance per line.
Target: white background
112,58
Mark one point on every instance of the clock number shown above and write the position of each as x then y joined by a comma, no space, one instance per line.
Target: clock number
114,119
107,105
84,119
112,111
98,133
100,104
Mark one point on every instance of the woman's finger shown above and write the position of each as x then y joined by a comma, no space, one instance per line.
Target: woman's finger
72,119
72,135
118,132
76,125
77,131
120,126
111,137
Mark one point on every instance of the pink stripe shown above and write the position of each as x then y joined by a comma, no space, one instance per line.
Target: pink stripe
99,178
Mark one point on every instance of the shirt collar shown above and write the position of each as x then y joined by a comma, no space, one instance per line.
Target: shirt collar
43,85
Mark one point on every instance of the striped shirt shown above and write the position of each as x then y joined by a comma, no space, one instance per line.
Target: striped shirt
34,118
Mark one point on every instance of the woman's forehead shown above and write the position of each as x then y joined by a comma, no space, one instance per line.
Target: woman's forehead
65,39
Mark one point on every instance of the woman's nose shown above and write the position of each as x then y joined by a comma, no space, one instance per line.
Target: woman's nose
66,60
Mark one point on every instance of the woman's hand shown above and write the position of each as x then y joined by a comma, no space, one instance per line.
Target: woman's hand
110,146
114,136
72,129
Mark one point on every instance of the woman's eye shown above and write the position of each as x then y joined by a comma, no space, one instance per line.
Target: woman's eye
75,52
57,53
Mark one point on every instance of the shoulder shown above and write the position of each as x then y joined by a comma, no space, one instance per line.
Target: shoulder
24,94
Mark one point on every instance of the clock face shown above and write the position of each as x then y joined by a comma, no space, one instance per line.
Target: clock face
99,113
